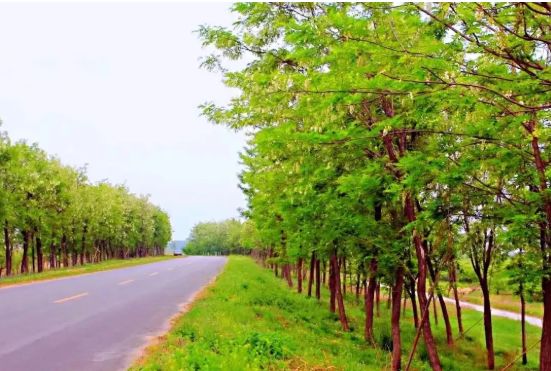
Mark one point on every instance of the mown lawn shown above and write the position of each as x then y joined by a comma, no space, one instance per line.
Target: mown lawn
73,271
250,320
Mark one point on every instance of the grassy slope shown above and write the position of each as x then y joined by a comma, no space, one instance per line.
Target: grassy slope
250,320
73,271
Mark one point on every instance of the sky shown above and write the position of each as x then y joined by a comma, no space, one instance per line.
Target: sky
116,86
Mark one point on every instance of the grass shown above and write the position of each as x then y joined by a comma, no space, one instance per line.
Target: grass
73,271
250,320
506,302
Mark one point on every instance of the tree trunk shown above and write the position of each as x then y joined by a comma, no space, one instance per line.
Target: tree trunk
299,275
39,254
312,270
339,296
456,298
318,279
369,299
332,288
8,247
24,260
488,324
287,273
523,324
32,245
545,355
421,285
395,320
64,250
52,255
449,334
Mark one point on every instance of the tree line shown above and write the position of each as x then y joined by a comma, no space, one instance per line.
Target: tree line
227,237
52,216
389,141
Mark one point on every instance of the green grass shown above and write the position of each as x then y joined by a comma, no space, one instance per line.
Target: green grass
250,320
73,271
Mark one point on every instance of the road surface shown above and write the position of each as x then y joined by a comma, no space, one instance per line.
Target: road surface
98,321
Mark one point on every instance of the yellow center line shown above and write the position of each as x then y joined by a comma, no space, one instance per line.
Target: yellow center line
154,273
71,298
125,282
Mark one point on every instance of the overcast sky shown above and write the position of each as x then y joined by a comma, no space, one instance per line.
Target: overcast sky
116,86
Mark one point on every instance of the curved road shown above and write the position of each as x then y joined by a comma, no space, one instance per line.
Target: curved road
98,321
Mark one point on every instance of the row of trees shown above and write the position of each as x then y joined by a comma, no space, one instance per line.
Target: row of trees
391,140
52,216
227,237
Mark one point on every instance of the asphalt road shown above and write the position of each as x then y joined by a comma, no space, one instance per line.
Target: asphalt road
98,321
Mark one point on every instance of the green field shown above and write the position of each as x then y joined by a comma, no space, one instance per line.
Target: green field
250,320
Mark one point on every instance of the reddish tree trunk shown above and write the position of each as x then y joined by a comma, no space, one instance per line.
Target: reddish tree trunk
318,279
421,285
39,255
453,276
488,325
312,270
369,299
25,258
545,355
52,256
288,275
395,320
8,250
332,288
64,250
339,296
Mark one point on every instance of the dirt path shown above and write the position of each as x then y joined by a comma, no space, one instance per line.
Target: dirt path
497,312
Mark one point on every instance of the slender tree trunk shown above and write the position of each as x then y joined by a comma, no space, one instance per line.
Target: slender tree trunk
523,323
369,298
318,279
299,275
33,254
39,254
395,320
64,250
52,255
332,288
488,324
24,260
456,298
421,285
312,270
545,244
287,268
339,296
7,243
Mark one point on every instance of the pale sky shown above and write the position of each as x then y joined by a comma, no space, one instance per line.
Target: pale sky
116,86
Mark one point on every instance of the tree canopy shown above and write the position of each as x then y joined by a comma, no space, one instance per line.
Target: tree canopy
392,139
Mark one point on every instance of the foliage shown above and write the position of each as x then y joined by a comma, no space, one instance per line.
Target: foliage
219,238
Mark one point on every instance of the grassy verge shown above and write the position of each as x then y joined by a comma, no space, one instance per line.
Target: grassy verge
506,302
250,320
73,271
